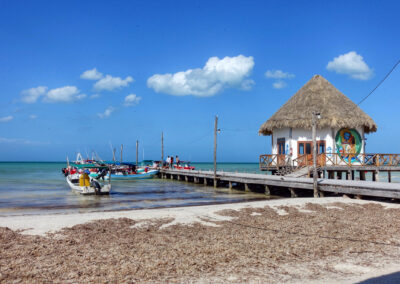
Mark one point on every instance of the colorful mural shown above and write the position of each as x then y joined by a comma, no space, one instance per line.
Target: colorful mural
348,144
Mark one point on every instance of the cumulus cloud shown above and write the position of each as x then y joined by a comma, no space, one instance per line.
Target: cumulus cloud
110,83
278,74
216,75
279,84
351,64
131,100
107,112
91,74
6,118
31,95
65,94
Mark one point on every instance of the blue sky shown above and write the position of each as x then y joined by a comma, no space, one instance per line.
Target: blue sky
171,66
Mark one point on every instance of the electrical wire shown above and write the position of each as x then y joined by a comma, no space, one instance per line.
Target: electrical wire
384,78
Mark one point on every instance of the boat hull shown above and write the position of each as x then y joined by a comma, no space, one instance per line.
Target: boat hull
88,190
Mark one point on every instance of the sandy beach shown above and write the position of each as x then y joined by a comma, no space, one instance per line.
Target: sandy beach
286,240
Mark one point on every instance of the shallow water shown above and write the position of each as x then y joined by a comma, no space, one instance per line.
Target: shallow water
37,188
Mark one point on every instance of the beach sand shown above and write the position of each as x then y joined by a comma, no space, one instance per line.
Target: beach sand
302,240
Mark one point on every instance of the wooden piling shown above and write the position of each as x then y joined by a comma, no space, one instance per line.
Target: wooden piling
267,190
389,173
292,192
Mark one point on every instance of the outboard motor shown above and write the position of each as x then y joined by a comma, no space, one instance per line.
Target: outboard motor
96,185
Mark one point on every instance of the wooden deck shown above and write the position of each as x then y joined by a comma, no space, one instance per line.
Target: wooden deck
248,181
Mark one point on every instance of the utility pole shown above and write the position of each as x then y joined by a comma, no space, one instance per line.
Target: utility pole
315,115
162,149
137,152
215,150
122,148
114,154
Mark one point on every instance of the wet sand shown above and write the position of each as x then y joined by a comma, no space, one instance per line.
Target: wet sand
300,240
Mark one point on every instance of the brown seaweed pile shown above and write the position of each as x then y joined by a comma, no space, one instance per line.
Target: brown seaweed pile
256,245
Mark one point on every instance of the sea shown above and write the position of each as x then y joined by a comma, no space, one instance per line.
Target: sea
40,188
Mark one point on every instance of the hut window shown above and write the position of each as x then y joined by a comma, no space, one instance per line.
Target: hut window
301,148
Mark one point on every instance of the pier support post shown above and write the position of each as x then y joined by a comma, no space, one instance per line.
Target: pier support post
205,181
389,173
362,175
178,177
347,175
186,178
352,175
215,183
338,175
246,187
292,192
230,185
375,176
172,176
267,191
196,180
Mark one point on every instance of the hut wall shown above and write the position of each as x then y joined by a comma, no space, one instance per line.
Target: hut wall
293,136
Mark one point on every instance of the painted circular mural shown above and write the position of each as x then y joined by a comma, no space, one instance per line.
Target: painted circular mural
348,141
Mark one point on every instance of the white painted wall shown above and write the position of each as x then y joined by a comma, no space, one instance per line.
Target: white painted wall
327,134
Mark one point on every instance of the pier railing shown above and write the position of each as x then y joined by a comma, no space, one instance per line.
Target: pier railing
268,162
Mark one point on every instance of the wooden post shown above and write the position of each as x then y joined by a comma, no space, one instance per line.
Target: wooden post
352,175
314,138
338,175
362,175
137,152
374,176
162,149
205,181
292,192
172,176
389,173
246,187
186,178
215,150
122,148
114,154
230,185
267,190
347,175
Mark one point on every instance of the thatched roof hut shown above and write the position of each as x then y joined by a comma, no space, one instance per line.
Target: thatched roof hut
337,110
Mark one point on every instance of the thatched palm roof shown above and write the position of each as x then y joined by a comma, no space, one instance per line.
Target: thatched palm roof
319,95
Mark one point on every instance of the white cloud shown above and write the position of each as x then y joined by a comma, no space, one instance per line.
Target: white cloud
279,84
6,118
91,74
278,74
110,83
32,95
107,112
20,141
216,75
65,94
33,116
351,64
131,100
95,96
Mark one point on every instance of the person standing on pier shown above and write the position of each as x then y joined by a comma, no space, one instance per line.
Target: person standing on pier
172,162
177,161
168,161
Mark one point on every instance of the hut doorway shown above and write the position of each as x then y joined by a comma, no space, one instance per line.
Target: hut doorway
281,151
305,155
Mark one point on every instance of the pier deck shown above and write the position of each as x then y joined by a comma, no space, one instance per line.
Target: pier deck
249,180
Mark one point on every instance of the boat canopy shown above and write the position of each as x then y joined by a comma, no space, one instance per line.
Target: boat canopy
88,166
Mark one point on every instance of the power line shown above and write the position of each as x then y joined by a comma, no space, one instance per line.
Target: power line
384,78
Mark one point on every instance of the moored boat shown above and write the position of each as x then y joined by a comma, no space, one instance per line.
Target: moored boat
79,179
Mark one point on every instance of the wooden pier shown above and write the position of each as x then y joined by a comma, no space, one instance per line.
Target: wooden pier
293,186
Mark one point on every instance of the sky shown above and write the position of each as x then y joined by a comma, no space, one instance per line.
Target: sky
84,76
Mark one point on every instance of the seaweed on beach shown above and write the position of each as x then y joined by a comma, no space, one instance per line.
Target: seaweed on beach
263,247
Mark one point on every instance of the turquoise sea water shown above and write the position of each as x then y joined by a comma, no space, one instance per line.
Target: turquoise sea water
37,188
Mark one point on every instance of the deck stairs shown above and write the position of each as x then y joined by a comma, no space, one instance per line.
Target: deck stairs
290,171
